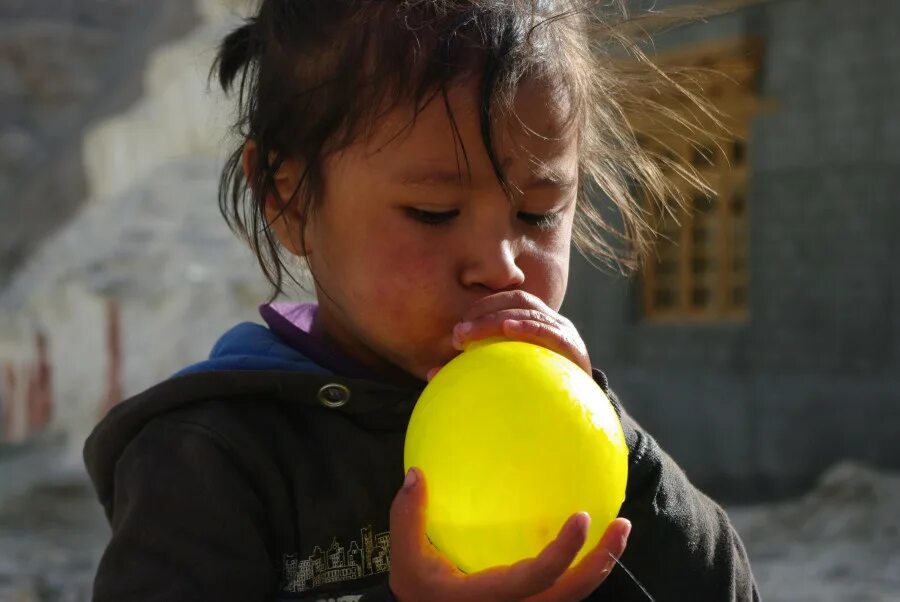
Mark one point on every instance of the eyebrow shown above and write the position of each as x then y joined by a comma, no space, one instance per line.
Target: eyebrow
423,175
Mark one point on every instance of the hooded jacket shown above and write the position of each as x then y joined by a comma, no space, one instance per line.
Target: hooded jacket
260,475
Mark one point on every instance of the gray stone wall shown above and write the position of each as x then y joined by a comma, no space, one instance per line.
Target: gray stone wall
145,276
758,409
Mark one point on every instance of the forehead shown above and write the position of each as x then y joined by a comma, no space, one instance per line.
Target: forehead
536,137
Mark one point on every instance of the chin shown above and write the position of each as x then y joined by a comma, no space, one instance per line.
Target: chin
436,354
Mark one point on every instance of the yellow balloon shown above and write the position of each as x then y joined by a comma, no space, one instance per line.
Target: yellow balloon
513,439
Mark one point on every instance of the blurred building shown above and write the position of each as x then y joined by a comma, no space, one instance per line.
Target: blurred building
762,344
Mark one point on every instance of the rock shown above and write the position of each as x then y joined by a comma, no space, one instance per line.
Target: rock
63,64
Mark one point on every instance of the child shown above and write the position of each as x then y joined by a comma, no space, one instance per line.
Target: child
428,160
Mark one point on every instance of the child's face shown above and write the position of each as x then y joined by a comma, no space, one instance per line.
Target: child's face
391,285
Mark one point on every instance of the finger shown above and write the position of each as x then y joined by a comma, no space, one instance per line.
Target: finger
517,313
531,576
491,324
549,336
415,564
505,300
407,522
431,373
593,569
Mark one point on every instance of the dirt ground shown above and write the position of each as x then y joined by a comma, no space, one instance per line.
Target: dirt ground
51,539
840,542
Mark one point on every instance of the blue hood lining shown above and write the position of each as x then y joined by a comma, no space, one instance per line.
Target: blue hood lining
251,346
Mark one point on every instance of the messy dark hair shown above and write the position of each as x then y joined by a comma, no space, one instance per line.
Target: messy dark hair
313,76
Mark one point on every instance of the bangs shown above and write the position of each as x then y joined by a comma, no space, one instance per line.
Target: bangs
380,56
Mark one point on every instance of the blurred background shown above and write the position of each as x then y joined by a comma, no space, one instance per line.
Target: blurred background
761,346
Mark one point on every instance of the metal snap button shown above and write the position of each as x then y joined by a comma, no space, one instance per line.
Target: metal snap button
334,395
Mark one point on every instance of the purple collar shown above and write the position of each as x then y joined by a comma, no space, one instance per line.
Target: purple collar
293,322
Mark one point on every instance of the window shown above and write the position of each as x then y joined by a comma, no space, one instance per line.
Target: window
699,267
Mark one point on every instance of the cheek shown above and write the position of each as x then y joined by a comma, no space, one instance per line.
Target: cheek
547,271
553,283
406,260
408,274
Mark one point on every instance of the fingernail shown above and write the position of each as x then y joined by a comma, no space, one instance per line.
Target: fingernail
463,328
583,521
626,532
411,477
431,374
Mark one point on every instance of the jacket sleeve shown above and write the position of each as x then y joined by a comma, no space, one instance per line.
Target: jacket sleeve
186,524
379,593
682,545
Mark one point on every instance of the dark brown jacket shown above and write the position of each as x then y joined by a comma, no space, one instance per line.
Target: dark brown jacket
242,485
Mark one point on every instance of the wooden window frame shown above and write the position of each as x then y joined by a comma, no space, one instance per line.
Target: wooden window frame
732,90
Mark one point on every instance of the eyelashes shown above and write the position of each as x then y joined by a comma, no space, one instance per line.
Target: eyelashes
431,218
542,221
437,218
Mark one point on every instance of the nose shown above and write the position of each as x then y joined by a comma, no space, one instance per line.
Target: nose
492,264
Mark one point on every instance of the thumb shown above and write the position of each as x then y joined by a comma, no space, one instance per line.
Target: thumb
408,519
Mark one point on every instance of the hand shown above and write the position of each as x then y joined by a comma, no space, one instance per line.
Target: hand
520,316
419,572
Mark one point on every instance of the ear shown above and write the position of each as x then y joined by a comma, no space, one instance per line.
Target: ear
282,215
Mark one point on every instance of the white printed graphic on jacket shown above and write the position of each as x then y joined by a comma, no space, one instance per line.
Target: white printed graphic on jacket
337,564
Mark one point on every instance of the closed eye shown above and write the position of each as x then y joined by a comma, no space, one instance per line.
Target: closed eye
431,218
540,220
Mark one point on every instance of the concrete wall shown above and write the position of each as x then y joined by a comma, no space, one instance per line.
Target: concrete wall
758,409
